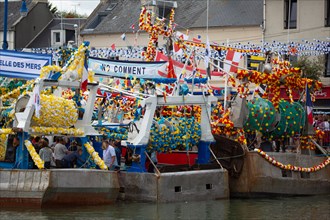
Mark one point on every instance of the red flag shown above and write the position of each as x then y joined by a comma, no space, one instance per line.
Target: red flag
176,47
171,72
113,46
84,79
132,26
196,40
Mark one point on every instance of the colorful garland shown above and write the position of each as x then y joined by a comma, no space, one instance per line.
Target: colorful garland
174,132
16,92
44,73
57,131
95,156
3,146
282,74
74,65
154,30
35,156
56,112
114,133
224,126
217,47
291,167
6,131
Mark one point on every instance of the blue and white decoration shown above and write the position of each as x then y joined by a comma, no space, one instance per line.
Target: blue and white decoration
23,65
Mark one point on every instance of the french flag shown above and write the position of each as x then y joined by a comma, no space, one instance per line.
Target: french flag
309,106
84,77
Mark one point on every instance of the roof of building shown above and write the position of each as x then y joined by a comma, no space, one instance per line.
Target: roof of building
117,16
13,12
67,23
43,39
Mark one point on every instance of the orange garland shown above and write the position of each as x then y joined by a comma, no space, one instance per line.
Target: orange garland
282,74
227,126
291,167
154,31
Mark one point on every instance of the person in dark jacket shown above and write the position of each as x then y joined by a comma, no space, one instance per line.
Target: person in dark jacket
70,160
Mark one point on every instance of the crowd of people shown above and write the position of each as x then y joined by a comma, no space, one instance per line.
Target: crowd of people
67,153
63,153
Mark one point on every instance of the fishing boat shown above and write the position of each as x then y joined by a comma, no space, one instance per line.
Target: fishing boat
35,115
168,114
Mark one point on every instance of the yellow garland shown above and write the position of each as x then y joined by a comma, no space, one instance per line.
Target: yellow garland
291,167
46,69
76,62
56,112
16,92
57,131
3,146
96,158
35,156
6,131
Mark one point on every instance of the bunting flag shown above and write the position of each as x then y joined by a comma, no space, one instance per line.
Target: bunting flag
84,77
207,52
123,36
177,66
198,39
232,58
309,106
113,46
177,50
181,35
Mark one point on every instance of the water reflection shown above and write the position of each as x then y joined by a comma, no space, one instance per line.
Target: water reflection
317,207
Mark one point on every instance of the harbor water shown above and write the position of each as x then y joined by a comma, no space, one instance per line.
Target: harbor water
312,207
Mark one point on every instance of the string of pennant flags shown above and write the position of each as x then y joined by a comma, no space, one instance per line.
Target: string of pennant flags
303,48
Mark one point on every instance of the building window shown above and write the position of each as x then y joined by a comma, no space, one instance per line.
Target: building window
164,12
327,66
290,9
164,7
111,6
327,13
57,37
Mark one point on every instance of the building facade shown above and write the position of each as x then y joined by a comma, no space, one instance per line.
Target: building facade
298,20
23,30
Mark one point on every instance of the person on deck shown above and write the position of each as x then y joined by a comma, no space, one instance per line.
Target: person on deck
128,158
46,152
71,159
109,155
60,151
11,149
118,150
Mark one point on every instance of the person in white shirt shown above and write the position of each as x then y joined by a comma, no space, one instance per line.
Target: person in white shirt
60,151
109,155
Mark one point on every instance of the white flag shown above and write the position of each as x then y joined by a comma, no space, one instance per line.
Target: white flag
207,52
123,36
37,100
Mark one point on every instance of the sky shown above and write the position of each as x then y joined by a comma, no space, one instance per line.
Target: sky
80,6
